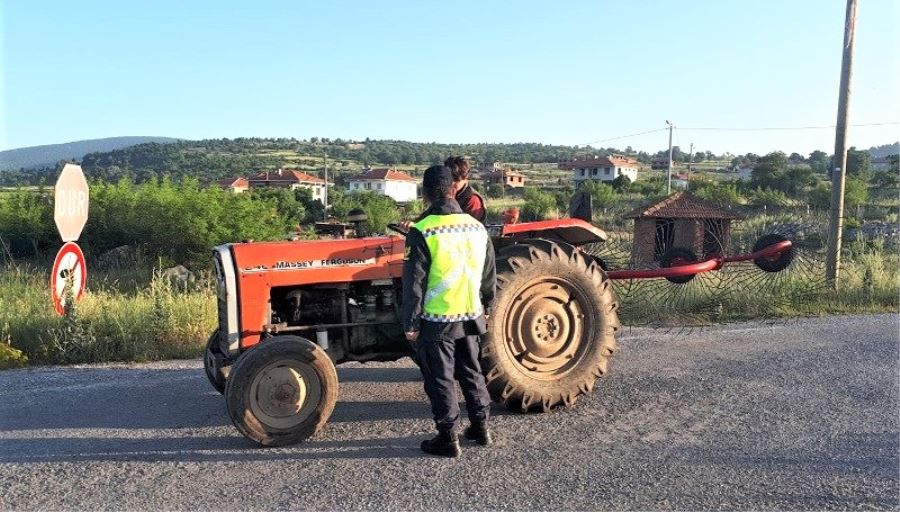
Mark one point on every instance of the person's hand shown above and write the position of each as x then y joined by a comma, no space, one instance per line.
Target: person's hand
406,224
412,336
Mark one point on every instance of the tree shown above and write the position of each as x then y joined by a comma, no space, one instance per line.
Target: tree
621,183
720,194
796,180
601,193
538,205
768,169
856,192
796,158
818,161
859,163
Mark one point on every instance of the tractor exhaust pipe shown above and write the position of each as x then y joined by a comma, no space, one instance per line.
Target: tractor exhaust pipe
580,206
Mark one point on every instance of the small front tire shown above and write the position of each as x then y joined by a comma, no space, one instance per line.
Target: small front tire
282,391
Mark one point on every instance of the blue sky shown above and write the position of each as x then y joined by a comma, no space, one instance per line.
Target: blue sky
572,73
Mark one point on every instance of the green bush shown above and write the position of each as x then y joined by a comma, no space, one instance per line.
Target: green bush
651,187
495,191
159,320
721,194
820,197
538,205
11,357
769,197
380,210
602,195
856,192
178,222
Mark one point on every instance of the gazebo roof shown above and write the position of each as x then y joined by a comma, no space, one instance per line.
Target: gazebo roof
681,205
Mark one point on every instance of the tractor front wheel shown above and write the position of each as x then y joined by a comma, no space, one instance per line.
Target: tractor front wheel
282,391
211,358
551,329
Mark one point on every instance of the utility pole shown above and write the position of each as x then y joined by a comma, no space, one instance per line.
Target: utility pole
669,168
691,158
325,194
839,171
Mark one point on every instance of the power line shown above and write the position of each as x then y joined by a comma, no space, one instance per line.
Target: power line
782,128
623,137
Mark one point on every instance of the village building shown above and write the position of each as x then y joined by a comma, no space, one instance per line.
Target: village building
490,166
679,222
290,178
505,177
392,183
681,180
660,164
236,185
601,168
745,172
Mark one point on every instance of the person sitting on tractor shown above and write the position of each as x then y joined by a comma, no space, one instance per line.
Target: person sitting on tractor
449,282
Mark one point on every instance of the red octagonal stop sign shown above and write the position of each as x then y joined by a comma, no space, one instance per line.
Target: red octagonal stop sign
70,202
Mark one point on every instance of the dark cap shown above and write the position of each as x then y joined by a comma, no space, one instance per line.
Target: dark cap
437,177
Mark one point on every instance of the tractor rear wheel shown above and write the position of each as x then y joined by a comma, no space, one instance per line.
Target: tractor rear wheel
551,329
282,391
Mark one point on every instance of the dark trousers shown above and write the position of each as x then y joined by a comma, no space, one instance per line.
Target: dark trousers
440,360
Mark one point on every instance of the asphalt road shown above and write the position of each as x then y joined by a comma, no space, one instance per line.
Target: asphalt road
799,415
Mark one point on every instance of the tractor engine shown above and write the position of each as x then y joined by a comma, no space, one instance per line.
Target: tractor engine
358,321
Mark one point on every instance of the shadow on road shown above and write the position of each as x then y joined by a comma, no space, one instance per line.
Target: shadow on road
197,449
180,415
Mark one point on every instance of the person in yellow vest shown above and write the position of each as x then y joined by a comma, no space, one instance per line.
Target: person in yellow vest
449,281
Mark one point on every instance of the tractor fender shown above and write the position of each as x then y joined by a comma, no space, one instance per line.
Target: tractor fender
575,232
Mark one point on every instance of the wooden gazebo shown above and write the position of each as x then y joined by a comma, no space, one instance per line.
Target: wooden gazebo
679,221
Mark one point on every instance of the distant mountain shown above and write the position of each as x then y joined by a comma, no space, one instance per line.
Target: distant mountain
884,150
48,155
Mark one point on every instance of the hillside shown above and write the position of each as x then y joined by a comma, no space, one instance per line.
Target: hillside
884,150
208,160
48,155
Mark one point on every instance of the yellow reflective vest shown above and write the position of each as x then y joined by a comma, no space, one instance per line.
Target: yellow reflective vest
457,244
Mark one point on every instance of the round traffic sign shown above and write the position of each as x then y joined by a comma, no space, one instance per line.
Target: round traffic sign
70,202
69,265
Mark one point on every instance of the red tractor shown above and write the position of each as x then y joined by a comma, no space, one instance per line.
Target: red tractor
290,311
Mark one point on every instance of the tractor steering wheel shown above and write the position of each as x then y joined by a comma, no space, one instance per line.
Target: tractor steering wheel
397,228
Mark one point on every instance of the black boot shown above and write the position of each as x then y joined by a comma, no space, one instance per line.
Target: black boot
445,444
479,433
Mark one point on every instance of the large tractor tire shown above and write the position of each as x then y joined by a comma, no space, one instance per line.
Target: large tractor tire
282,391
551,329
211,365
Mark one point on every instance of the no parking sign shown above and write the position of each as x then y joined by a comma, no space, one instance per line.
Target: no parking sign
68,268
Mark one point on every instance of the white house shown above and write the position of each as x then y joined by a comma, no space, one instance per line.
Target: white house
601,168
290,178
395,184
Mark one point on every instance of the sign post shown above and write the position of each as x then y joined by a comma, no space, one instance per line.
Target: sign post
70,210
